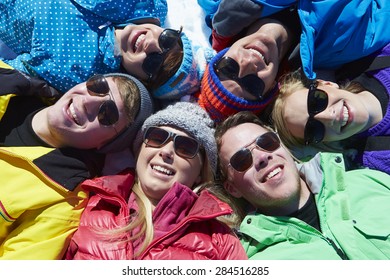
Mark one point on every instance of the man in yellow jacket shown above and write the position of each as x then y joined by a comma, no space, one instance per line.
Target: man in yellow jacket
46,151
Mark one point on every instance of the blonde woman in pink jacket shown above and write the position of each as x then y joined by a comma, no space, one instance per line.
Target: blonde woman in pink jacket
155,211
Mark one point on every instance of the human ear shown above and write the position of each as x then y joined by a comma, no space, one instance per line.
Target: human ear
230,188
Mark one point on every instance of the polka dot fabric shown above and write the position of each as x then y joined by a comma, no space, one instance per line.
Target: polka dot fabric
65,42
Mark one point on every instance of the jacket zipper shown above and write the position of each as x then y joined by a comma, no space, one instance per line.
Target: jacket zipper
330,241
180,226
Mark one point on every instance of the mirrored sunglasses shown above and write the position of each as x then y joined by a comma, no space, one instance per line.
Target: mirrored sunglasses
184,146
242,160
154,61
317,101
108,113
228,69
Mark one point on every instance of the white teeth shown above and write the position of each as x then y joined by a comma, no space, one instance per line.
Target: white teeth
345,116
73,113
258,53
139,39
273,173
162,170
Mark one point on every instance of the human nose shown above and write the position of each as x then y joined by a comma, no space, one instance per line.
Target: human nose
92,104
151,42
327,117
167,151
260,157
247,64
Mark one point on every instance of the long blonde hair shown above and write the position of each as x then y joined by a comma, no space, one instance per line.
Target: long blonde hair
290,83
143,219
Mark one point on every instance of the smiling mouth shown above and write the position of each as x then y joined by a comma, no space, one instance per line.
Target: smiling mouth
163,170
345,117
72,113
138,41
272,174
259,54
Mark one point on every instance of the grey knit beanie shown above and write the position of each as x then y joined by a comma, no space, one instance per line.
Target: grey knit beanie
126,137
190,118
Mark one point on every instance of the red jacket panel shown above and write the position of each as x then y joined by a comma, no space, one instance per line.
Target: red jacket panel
184,224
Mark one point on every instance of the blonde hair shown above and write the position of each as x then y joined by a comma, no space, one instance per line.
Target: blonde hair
143,219
290,83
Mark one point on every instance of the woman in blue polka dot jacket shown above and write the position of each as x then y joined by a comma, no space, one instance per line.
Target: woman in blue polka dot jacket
66,42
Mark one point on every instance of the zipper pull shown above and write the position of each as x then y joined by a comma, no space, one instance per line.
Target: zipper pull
108,23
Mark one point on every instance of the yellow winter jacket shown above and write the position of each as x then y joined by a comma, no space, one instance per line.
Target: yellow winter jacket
37,215
4,99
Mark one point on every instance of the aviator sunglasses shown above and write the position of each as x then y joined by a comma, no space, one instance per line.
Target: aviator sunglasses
228,69
153,61
108,113
317,101
185,147
242,160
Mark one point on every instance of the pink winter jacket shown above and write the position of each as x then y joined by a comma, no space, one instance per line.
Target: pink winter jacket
184,224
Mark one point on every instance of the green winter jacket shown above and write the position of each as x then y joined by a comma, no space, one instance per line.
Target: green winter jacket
353,208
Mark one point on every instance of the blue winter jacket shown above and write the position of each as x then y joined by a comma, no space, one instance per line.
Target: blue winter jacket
334,32
65,42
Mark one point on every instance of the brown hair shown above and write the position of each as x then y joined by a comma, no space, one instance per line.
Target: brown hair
131,96
171,64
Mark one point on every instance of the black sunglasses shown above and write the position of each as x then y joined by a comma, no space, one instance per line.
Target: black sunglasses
184,146
108,114
317,101
228,69
153,61
242,160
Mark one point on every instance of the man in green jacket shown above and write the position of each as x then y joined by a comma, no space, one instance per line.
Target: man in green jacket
315,210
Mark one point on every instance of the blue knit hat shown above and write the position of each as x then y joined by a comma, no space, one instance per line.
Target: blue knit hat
186,80
190,118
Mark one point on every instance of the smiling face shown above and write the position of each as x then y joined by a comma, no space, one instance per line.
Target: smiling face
346,113
272,184
135,43
159,168
73,120
259,53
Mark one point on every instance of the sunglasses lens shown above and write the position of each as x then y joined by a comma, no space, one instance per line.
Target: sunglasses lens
168,39
241,160
317,101
268,141
227,68
314,132
253,84
108,113
186,147
152,63
155,137
97,85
